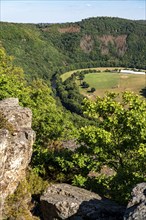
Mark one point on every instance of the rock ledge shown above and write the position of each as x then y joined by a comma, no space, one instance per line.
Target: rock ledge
16,147
62,201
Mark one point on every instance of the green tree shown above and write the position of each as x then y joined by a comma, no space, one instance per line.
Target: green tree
117,141
12,83
48,119
93,89
85,84
50,122
81,77
123,124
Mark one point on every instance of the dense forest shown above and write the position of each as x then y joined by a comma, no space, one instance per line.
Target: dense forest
102,133
45,49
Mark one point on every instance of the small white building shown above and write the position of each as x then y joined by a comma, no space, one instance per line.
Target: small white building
132,72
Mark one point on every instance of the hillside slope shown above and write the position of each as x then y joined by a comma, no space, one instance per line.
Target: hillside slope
43,49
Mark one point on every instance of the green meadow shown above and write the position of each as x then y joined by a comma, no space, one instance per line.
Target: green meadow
104,80
113,82
109,81
66,75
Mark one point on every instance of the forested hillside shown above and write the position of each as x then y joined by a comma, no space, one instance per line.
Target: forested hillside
45,49
101,148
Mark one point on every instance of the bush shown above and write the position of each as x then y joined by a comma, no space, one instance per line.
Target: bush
93,89
85,85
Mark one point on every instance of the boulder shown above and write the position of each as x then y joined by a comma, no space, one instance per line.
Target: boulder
15,145
136,209
63,201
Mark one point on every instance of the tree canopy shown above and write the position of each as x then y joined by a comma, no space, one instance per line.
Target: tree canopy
118,141
43,49
50,122
114,134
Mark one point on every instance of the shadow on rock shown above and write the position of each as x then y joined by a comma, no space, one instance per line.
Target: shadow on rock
99,210
62,201
136,209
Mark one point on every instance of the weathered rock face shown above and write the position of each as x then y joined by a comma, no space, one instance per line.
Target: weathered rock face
15,147
136,209
62,201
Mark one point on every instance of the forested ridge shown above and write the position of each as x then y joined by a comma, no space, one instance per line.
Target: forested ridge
105,133
44,49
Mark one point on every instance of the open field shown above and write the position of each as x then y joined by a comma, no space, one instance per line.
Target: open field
66,75
109,81
113,82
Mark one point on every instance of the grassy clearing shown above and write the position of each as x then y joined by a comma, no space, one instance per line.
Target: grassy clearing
104,80
66,75
109,81
113,82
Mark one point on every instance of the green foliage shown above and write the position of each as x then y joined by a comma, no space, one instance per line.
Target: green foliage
124,123
109,79
81,77
79,180
18,205
42,49
36,185
85,85
36,55
12,80
117,141
50,122
120,139
93,89
117,136
68,92
49,166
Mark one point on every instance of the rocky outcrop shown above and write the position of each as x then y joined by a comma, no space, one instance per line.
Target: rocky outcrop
87,43
136,209
15,146
118,42
62,201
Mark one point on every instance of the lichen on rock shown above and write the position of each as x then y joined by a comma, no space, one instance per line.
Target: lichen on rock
63,201
15,146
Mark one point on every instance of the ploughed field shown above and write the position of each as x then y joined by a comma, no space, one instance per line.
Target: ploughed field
110,81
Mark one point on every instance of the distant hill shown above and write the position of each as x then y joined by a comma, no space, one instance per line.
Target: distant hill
45,49
141,21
